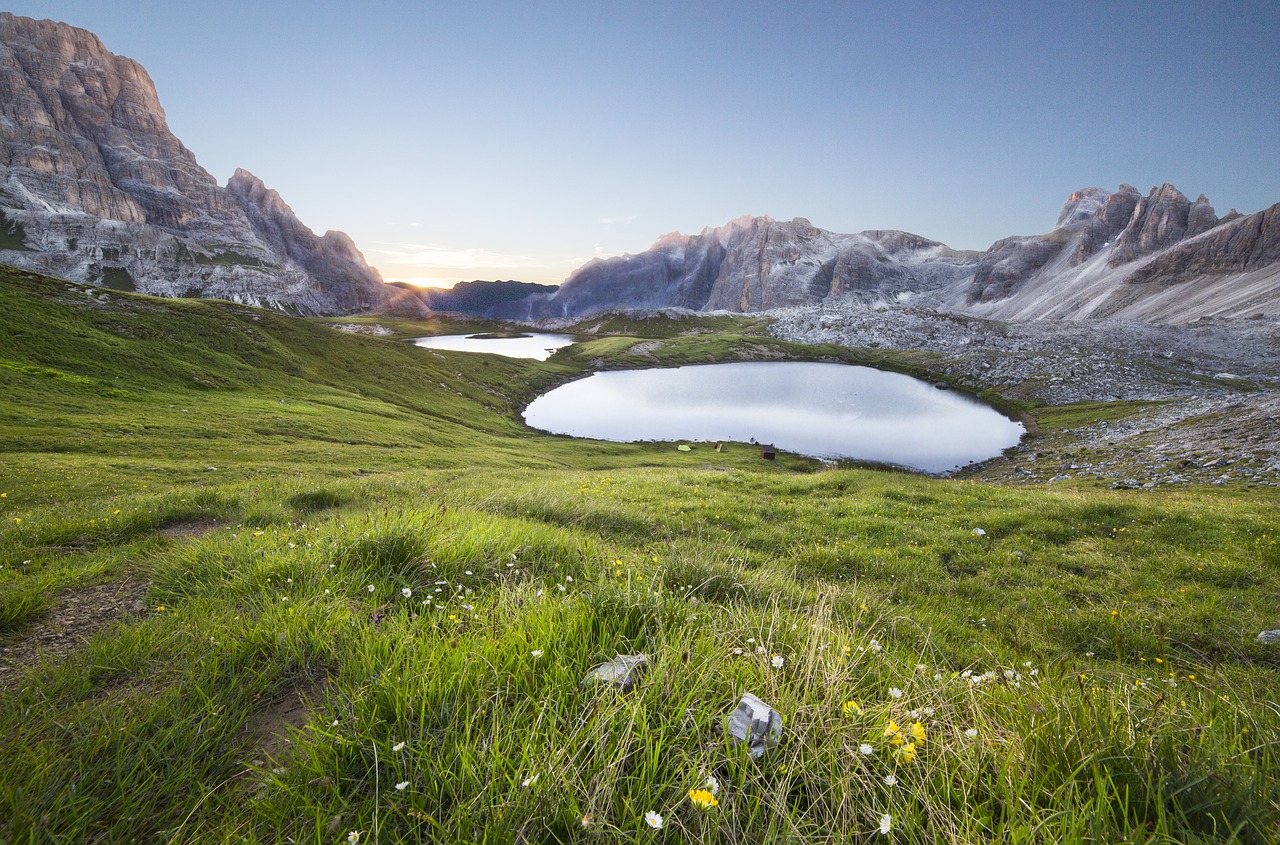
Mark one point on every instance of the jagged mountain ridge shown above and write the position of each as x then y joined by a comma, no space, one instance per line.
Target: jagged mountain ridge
754,264
1122,255
1160,258
95,188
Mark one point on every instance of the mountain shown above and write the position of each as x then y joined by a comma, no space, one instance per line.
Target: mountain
1159,257
95,188
1122,255
507,300
754,264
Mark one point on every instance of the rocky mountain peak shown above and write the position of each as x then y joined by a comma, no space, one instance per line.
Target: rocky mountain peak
106,194
1081,206
251,191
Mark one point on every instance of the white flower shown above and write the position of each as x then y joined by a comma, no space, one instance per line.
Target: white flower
777,661
866,749
894,692
529,781
537,652
971,733
890,780
886,824
712,785
406,592
653,820
370,588
402,785
398,746
353,837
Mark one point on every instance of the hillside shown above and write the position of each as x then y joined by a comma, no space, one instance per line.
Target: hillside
264,580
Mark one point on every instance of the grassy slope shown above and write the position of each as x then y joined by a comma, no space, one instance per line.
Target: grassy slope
1122,695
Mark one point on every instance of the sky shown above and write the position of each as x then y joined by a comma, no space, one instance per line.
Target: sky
468,139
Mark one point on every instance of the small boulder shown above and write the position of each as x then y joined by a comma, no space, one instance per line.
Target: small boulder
755,723
623,672
1270,637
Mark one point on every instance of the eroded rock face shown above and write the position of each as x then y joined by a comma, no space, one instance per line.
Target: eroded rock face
94,187
1243,244
758,263
1159,220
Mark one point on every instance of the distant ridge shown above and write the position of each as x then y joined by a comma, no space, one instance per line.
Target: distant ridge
1159,258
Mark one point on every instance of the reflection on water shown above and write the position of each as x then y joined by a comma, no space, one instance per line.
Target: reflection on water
538,346
820,410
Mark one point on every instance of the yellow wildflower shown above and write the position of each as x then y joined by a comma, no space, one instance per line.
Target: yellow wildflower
851,709
894,733
917,733
907,752
703,799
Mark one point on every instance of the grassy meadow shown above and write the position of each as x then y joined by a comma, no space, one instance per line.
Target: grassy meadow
362,598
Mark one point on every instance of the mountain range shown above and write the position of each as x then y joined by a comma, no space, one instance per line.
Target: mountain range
95,188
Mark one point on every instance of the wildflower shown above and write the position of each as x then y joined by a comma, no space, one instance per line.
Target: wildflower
703,799
894,733
851,709
890,780
712,785
653,820
529,781
866,749
917,733
537,652
370,588
886,824
971,733
353,837
874,645
907,752
402,785
161,608
777,661
398,746
894,692
406,592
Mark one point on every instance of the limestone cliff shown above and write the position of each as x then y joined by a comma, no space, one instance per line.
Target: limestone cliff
758,263
1159,257
94,187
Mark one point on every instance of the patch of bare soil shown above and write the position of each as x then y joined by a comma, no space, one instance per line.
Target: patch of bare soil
75,618
189,530
266,734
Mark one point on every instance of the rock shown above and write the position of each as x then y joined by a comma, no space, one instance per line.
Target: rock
623,672
1269,637
754,264
978,532
95,188
755,723
1159,220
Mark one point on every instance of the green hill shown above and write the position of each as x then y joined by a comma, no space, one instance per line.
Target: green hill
263,580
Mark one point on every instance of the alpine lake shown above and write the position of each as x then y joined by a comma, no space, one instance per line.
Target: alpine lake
820,410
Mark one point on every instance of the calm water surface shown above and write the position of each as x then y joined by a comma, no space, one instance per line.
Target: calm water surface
819,410
538,346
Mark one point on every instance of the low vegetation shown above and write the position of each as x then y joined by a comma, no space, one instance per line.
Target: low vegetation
363,598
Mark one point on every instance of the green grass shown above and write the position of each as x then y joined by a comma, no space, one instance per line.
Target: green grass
1086,671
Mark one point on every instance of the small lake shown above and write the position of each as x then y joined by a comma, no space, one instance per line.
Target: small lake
538,346
818,410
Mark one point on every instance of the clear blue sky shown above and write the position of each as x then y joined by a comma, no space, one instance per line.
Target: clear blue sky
474,139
